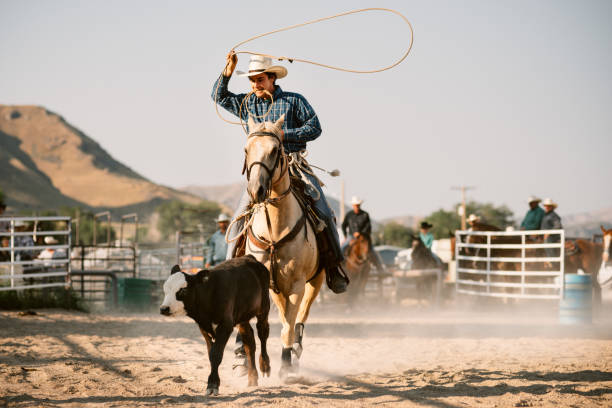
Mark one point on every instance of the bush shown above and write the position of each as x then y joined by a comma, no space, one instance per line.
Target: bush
44,298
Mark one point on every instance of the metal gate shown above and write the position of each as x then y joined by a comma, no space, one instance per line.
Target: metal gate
34,252
513,264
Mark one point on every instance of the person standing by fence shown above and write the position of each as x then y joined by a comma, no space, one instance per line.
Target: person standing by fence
216,243
533,218
551,221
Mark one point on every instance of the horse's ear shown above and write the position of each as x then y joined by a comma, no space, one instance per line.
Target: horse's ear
175,269
251,123
280,121
602,229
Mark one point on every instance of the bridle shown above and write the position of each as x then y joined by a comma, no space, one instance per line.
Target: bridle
280,159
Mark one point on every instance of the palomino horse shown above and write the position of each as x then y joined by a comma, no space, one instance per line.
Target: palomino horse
586,255
280,237
357,266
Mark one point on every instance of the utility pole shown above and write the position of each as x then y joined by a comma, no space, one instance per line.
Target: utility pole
463,190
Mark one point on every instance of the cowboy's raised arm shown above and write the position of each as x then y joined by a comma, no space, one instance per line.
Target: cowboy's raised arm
220,94
309,128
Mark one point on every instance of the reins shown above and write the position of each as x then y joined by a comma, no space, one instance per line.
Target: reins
292,59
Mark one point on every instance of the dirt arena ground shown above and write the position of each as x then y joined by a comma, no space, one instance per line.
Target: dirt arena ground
457,357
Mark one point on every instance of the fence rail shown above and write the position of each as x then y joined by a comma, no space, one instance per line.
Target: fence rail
28,259
510,264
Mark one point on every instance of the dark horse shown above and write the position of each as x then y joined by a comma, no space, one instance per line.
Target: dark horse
423,258
357,266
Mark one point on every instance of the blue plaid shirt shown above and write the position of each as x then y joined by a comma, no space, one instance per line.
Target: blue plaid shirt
301,122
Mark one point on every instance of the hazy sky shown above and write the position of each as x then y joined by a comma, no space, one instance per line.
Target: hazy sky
512,97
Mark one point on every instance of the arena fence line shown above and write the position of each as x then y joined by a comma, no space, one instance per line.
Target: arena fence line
27,259
510,264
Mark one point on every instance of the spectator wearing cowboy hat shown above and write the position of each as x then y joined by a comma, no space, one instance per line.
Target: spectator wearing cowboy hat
472,220
426,236
551,221
51,253
23,241
216,243
268,102
534,215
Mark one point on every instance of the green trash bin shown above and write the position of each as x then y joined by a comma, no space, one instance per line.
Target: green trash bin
136,295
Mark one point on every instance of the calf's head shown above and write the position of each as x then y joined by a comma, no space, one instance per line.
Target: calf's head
180,293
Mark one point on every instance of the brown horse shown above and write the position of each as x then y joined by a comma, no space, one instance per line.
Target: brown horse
585,255
357,266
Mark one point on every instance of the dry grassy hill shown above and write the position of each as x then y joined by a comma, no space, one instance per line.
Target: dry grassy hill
46,162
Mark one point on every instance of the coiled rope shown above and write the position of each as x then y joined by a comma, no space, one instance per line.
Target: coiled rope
292,59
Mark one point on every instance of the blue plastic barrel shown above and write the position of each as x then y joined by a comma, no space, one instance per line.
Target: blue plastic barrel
576,307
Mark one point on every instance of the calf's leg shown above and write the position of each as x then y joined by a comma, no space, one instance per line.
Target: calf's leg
263,331
248,339
222,333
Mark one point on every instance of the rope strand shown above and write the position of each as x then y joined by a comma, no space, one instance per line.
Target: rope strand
281,58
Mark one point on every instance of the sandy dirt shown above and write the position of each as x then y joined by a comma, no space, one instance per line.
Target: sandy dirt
379,356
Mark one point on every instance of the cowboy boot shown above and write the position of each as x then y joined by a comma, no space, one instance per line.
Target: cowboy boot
332,256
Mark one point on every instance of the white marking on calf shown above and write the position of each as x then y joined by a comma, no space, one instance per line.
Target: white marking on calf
606,251
175,282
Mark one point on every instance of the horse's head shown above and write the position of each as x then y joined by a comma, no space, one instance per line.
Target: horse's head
359,249
264,157
607,246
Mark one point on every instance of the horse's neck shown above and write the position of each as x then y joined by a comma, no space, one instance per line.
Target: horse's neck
286,213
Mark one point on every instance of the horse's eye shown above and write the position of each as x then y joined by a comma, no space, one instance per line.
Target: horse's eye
274,151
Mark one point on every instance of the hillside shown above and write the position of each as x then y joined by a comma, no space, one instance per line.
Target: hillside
47,163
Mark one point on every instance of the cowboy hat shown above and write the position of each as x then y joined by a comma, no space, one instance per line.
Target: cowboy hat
222,218
473,217
549,202
260,64
426,225
19,223
356,201
533,199
51,241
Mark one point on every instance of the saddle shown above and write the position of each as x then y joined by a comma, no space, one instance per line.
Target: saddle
298,187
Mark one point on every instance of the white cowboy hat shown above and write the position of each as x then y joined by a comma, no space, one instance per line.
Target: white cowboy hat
473,217
356,201
532,199
222,218
19,223
549,201
51,241
260,64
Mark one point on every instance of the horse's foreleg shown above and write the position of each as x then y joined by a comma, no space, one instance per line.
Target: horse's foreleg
311,291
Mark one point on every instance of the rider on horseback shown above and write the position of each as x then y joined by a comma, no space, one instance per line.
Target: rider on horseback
301,124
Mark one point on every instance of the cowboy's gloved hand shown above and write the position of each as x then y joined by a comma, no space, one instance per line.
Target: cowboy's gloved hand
231,61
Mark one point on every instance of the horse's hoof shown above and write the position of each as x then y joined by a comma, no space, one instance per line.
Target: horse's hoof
214,391
297,350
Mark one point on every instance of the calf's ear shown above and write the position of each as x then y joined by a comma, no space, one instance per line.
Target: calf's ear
175,269
201,276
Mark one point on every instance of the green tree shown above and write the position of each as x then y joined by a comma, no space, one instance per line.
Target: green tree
395,234
179,216
446,222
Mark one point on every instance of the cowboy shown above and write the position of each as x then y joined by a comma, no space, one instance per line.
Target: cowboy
472,220
268,102
534,215
550,221
426,236
356,222
4,225
217,245
23,241
51,253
